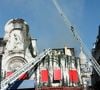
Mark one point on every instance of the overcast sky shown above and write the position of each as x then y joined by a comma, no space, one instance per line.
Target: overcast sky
47,26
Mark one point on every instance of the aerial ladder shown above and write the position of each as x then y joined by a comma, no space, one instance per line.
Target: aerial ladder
27,67
77,37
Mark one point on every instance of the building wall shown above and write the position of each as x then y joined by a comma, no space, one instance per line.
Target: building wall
67,67
96,55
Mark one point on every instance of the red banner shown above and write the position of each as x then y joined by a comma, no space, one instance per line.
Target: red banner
73,76
23,76
9,73
44,75
57,74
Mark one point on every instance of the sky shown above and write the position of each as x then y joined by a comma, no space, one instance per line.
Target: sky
46,24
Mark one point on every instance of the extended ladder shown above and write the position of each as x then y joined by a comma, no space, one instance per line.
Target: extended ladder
6,82
77,37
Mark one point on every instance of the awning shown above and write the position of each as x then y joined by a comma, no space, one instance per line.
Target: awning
23,85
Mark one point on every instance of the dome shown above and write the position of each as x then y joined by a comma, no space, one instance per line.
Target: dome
82,56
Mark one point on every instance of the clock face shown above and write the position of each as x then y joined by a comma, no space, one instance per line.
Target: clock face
15,63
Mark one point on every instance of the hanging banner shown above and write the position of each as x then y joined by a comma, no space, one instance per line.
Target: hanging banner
23,76
44,75
73,76
10,73
57,74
